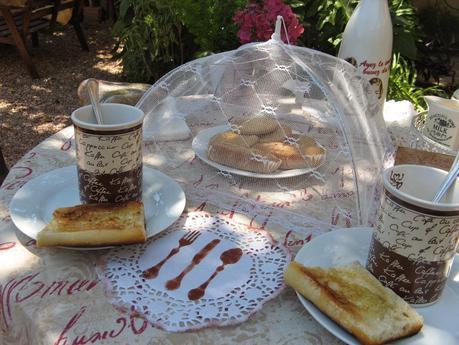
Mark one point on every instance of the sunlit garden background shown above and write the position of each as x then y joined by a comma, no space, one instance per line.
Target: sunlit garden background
141,40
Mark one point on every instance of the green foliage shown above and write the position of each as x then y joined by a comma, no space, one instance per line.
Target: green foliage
210,23
440,44
402,84
406,28
324,23
441,26
150,38
156,35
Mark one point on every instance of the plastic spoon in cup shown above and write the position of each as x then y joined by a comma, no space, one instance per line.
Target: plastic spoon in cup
448,181
93,90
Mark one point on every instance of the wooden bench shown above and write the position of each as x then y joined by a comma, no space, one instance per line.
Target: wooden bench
17,23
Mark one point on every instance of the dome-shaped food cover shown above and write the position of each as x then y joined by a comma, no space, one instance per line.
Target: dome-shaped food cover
282,133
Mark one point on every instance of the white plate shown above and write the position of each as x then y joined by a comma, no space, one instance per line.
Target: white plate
33,205
201,143
341,247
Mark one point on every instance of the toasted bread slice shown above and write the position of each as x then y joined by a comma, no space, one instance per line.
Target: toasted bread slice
356,300
95,225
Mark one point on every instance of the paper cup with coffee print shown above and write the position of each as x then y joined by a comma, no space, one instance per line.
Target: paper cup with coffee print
109,155
415,240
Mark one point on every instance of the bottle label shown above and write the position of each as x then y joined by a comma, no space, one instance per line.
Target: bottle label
441,129
376,71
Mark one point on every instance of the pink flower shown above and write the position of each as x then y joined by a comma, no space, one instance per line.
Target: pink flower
257,21
244,36
237,18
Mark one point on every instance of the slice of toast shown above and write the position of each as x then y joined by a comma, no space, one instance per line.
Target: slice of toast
356,300
93,225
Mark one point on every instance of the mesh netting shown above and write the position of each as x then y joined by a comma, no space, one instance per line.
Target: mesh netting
282,133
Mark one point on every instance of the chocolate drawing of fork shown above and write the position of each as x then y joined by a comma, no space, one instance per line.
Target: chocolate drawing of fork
174,283
186,240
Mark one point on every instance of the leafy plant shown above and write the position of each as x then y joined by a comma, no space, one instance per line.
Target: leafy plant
151,39
440,44
406,30
402,84
324,23
210,23
156,35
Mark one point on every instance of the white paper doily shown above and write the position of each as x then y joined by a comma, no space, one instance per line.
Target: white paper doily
236,292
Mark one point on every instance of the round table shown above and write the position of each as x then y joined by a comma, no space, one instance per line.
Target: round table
53,296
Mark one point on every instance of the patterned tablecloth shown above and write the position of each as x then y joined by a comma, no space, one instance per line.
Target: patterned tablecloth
53,296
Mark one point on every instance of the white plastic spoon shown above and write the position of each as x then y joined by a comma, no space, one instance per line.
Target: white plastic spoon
93,90
448,181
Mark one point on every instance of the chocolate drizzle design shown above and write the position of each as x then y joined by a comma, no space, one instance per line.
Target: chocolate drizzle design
185,240
228,257
174,284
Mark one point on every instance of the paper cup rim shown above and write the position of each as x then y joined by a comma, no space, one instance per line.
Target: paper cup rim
425,204
108,127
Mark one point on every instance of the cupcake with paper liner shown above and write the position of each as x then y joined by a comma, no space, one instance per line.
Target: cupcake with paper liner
263,144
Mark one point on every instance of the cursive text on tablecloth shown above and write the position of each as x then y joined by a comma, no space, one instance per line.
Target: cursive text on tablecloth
19,290
135,324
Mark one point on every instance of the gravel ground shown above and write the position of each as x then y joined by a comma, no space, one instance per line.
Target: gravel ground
33,109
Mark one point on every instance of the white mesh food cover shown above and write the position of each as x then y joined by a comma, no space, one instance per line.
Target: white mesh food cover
282,133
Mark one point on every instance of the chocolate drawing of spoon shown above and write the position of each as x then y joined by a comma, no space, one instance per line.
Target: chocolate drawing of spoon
174,284
228,257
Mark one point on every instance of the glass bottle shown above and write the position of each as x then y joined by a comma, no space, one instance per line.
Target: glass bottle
367,43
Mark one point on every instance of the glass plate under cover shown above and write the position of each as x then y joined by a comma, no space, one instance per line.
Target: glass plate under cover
201,143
